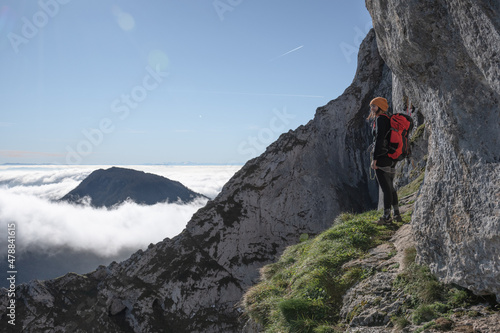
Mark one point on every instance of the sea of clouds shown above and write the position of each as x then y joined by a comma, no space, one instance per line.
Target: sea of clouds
29,194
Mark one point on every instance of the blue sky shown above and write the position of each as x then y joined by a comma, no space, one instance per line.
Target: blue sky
132,82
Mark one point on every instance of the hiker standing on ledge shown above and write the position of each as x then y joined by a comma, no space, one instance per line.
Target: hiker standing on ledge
383,165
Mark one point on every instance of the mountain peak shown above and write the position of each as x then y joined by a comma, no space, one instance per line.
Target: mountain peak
116,185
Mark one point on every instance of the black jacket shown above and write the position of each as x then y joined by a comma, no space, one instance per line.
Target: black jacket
381,127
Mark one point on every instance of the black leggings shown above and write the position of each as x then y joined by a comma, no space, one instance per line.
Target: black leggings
385,181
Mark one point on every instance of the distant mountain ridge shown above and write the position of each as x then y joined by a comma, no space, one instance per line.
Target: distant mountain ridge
116,185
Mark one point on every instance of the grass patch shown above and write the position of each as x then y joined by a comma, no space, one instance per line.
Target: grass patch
412,187
400,322
419,132
429,299
430,324
328,329
302,292
427,312
418,281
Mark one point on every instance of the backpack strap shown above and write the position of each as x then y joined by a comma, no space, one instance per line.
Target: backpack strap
382,114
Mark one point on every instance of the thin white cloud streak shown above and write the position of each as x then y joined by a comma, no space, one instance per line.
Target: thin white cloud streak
27,198
286,53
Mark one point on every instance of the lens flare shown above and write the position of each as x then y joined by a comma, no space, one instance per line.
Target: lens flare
125,20
158,60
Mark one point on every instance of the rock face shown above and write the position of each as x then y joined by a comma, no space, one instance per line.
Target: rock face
373,301
193,283
445,55
114,186
371,305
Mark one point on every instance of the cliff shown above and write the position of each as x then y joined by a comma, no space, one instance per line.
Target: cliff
445,56
114,186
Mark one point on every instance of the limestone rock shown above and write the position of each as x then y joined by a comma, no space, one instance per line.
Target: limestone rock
446,54
374,301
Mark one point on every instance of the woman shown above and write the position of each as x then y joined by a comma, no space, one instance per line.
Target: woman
383,165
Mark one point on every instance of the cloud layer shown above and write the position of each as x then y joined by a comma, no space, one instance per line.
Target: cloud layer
28,194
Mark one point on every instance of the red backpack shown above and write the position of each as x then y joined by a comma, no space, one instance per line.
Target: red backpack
399,145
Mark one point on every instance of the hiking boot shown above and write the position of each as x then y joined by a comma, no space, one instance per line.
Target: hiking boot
384,220
398,218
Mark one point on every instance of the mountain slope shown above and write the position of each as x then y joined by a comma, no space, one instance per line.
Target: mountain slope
116,185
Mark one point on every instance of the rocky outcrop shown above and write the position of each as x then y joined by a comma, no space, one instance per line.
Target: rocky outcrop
374,301
193,283
114,186
373,304
446,55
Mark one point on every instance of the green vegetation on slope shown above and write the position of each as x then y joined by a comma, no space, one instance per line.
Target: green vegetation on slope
419,132
412,187
302,292
429,298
